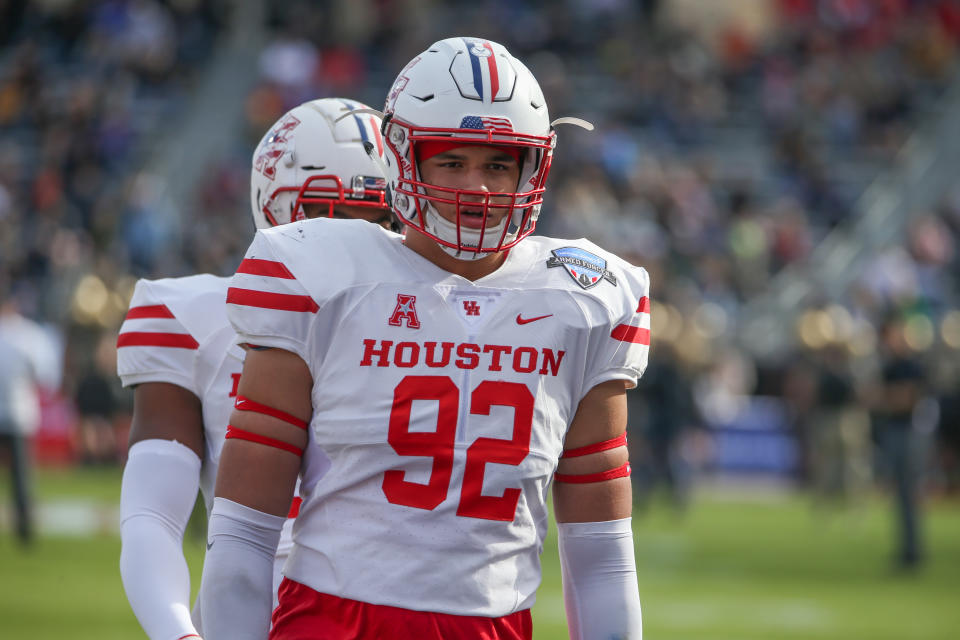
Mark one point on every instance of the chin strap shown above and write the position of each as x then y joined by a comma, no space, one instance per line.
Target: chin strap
370,149
379,114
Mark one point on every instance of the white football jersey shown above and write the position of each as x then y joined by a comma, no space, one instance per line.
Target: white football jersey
177,331
442,403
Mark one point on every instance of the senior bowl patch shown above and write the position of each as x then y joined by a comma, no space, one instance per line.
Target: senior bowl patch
586,269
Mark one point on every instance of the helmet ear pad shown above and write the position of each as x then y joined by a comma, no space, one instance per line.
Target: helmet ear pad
333,163
438,99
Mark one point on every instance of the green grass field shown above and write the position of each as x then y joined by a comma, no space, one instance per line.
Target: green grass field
732,569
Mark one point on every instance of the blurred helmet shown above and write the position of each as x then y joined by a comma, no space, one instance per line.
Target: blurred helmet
469,91
317,153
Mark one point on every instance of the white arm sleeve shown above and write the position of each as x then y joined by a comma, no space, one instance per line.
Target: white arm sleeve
157,495
600,580
236,590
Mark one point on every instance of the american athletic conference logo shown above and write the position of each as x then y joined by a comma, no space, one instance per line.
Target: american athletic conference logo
405,311
587,269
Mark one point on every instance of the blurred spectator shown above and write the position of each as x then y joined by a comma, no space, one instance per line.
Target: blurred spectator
98,407
25,356
661,412
840,444
897,397
948,445
18,415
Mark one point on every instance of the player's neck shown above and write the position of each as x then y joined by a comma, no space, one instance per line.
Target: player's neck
469,269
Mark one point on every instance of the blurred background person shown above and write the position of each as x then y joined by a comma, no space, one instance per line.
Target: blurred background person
661,415
18,418
901,388
27,362
98,407
840,446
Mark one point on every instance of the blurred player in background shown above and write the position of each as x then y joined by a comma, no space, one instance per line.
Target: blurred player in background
30,366
448,377
179,352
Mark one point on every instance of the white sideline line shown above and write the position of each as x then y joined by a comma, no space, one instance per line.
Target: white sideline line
72,518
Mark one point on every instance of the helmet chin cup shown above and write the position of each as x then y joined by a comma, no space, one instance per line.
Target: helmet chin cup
469,247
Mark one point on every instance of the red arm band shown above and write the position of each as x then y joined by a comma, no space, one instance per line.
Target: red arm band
622,471
612,443
242,434
244,403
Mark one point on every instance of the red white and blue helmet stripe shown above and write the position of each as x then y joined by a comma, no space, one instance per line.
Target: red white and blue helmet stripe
492,79
367,124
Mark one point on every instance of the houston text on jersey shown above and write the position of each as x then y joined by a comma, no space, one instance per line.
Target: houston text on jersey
384,353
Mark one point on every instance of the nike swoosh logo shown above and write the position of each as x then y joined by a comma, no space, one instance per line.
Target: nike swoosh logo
209,544
521,320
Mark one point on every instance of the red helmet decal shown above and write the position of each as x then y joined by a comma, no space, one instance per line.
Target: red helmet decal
277,140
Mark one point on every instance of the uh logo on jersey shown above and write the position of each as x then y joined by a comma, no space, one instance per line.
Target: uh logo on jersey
464,355
470,307
587,269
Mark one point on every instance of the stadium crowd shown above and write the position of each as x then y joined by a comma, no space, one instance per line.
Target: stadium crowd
721,156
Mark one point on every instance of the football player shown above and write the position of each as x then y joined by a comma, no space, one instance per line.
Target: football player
178,350
449,377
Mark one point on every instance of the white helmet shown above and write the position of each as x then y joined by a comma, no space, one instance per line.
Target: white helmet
469,91
317,153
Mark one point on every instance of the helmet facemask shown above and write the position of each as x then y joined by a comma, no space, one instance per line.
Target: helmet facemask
416,207
467,92
326,190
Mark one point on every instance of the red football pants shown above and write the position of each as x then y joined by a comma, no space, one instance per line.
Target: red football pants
305,614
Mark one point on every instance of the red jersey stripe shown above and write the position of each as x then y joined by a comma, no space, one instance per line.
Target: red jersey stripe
295,507
148,339
629,333
644,306
270,300
271,268
149,311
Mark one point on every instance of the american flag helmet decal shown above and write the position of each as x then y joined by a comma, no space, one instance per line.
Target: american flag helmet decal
486,122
